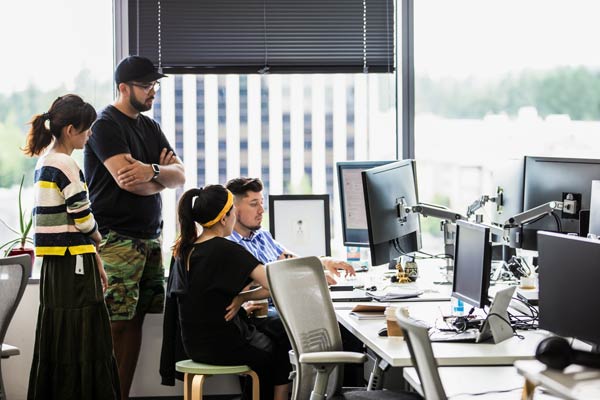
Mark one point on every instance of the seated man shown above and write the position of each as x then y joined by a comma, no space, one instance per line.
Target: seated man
247,231
248,199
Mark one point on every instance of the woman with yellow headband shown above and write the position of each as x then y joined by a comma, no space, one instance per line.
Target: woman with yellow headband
213,272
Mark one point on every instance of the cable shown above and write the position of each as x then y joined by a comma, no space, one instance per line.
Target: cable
508,323
558,223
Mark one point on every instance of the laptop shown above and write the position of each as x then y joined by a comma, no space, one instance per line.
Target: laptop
494,326
350,295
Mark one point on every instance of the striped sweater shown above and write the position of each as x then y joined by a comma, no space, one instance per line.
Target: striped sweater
63,218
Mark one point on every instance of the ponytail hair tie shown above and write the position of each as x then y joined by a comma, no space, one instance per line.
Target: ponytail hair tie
45,116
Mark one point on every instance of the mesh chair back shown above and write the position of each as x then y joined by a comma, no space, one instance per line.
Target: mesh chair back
301,295
14,273
422,357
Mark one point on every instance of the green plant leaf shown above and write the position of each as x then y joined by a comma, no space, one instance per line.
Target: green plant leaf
10,245
21,213
6,225
28,227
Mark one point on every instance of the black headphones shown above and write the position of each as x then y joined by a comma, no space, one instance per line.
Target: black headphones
557,353
464,322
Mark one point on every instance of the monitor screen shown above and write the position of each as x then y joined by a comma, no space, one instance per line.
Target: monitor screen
472,263
594,223
568,292
385,188
352,201
557,179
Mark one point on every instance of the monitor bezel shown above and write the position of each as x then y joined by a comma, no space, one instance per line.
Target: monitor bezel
362,166
561,295
529,232
382,251
483,299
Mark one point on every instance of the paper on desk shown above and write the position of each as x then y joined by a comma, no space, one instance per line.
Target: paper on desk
368,311
395,294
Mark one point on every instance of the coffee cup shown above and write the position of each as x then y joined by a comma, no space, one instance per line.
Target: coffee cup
263,309
528,282
393,329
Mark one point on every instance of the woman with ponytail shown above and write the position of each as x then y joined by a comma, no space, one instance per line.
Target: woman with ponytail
215,271
73,354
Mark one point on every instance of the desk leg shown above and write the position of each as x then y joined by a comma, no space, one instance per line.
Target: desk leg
528,390
376,377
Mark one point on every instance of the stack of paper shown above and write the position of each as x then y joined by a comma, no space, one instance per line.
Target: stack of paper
396,294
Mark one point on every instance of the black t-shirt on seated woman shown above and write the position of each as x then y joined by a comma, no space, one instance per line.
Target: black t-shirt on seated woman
219,270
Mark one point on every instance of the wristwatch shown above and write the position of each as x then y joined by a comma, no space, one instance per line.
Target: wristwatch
156,170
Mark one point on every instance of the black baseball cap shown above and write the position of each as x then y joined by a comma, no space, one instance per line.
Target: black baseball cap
136,68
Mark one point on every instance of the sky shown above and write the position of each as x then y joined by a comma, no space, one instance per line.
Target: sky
52,40
486,38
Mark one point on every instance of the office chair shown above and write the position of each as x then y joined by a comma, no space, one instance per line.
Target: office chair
301,295
436,382
423,360
14,273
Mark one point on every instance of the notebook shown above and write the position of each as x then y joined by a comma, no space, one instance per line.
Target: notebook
368,311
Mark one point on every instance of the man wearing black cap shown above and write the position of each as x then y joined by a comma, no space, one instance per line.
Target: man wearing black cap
128,162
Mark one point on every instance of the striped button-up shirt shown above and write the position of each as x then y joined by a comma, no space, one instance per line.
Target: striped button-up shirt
261,244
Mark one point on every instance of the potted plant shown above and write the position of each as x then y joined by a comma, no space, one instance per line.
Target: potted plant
17,245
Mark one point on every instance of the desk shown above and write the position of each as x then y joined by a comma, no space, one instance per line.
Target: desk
8,350
395,352
575,382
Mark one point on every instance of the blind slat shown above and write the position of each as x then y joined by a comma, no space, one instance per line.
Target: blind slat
235,36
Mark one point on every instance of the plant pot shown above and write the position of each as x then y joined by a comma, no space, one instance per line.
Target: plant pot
24,250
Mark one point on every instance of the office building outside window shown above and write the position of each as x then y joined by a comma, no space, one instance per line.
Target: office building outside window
289,130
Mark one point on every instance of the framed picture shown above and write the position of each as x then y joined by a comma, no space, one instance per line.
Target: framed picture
301,223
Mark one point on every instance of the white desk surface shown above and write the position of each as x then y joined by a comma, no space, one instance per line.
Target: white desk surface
395,351
8,350
480,380
575,382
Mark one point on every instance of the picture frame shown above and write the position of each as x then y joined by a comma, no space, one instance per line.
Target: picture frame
301,222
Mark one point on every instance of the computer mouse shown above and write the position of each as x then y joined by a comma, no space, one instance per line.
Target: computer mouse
382,332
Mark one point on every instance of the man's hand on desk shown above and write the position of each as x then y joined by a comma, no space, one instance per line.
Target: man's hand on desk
335,266
332,267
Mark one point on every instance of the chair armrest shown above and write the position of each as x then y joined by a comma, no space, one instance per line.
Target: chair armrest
333,357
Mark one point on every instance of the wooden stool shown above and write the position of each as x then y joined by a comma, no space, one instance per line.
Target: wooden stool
195,374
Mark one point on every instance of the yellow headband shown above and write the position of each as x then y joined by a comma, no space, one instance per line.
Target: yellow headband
226,208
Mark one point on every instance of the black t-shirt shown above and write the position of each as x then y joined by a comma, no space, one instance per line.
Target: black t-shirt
114,208
219,270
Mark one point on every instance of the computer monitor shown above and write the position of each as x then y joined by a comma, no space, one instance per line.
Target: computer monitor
594,222
557,179
352,201
568,286
472,263
385,189
507,179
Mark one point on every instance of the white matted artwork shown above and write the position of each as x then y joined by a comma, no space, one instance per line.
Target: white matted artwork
301,223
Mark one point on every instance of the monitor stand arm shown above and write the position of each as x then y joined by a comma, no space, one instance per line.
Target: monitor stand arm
513,226
449,218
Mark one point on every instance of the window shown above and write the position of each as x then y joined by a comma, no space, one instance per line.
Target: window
495,81
37,69
289,130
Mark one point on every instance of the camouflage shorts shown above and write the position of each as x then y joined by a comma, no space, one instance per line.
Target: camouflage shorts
135,275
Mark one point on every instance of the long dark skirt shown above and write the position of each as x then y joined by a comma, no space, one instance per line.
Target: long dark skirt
73,356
